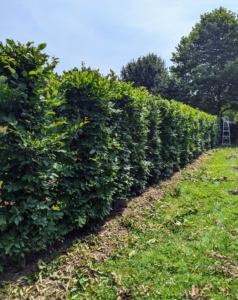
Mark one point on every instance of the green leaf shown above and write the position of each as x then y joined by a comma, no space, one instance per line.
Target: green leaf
92,151
24,73
10,118
2,221
34,72
16,221
10,42
42,46
8,248
12,70
15,75
46,163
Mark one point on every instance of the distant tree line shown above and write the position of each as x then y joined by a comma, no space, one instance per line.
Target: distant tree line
205,70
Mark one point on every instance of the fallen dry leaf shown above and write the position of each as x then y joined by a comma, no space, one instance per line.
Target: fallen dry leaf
194,294
207,287
132,253
224,290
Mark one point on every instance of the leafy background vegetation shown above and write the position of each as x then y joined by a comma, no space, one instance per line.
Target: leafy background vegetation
204,70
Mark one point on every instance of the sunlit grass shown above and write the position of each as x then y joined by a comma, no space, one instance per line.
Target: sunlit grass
195,244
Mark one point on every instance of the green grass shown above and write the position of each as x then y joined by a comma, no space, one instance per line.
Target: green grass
179,246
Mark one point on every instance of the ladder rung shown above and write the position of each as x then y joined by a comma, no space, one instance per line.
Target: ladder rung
226,140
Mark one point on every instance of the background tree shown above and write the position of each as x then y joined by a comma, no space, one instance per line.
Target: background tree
148,71
205,67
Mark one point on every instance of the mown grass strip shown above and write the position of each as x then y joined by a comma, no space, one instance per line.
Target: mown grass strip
179,246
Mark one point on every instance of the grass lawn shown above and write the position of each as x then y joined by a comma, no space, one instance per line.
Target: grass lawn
178,240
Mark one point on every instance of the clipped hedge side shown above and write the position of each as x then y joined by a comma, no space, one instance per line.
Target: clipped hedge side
185,133
234,132
94,140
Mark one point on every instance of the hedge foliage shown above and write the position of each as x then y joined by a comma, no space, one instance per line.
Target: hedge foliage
234,132
75,143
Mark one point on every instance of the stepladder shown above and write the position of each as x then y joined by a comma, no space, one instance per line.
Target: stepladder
226,136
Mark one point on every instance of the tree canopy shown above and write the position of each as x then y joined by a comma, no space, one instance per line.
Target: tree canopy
205,67
148,71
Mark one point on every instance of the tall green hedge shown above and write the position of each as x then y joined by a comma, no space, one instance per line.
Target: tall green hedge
75,143
234,132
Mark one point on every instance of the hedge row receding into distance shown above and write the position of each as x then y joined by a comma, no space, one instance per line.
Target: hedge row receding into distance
72,145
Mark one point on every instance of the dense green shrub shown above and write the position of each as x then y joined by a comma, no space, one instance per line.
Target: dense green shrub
87,184
73,144
133,134
234,132
129,130
27,218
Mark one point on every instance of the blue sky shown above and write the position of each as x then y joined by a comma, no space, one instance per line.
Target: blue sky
105,34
